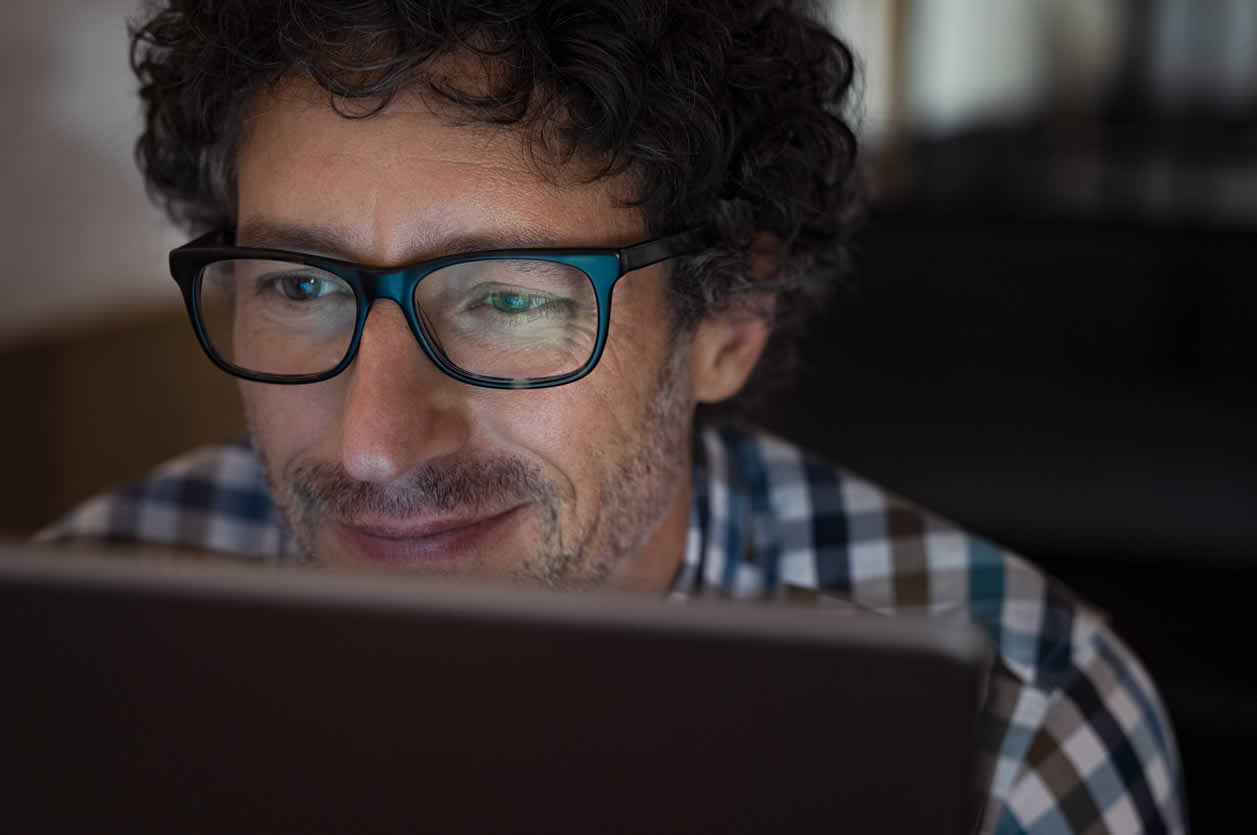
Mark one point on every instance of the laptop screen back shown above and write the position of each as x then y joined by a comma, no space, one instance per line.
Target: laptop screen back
151,695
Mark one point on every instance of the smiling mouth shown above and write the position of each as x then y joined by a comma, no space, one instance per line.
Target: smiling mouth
402,542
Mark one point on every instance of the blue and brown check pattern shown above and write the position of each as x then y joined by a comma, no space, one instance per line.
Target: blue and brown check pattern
1075,739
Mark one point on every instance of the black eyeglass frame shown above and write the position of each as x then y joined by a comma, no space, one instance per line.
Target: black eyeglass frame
603,267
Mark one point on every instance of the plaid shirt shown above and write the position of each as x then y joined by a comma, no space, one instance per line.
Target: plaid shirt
1075,739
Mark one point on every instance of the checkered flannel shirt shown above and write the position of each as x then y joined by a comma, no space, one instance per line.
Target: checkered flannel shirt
1075,739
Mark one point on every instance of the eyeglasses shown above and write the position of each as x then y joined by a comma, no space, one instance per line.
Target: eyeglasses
520,318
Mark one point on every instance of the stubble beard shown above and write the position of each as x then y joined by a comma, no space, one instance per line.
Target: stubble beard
634,493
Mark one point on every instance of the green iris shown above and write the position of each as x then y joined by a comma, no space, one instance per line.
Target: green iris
514,302
302,288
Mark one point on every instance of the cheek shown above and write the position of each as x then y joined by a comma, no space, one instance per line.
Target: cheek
638,340
578,432
289,420
553,425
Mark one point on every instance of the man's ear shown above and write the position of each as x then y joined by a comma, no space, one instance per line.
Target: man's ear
727,345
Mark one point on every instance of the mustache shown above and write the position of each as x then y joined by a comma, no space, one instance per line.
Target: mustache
326,489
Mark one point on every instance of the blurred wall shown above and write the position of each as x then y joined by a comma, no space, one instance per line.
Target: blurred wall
78,238
99,405
100,375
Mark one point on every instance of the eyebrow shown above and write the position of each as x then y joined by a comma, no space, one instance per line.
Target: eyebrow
328,241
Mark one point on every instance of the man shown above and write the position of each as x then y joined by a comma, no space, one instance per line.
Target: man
479,264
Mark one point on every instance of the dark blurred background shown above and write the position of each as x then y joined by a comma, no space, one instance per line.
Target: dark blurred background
1048,338
1051,335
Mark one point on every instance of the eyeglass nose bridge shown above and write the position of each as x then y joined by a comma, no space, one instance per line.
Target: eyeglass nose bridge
398,286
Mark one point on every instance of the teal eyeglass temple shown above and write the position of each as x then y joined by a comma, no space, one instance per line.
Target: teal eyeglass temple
604,267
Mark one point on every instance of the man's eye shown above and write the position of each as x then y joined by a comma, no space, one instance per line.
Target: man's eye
301,288
516,302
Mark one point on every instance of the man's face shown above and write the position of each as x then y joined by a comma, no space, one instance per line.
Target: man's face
394,463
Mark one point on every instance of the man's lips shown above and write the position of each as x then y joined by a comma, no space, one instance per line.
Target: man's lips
416,541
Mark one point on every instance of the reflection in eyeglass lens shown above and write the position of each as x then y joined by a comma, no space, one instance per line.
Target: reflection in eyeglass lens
513,318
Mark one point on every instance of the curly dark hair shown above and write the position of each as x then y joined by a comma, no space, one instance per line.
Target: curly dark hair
729,113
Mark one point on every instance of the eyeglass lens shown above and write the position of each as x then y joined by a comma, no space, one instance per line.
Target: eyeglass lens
514,318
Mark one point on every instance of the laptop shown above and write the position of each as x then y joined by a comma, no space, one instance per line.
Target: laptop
196,696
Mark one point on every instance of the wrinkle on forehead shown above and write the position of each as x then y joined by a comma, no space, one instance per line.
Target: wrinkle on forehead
519,144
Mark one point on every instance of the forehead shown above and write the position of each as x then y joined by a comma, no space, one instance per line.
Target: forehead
407,182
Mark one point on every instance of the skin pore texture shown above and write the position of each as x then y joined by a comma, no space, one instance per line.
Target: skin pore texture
392,462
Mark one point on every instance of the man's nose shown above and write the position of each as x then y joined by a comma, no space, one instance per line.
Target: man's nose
401,412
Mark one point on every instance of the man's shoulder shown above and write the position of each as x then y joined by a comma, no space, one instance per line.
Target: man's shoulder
801,524
212,498
1071,712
